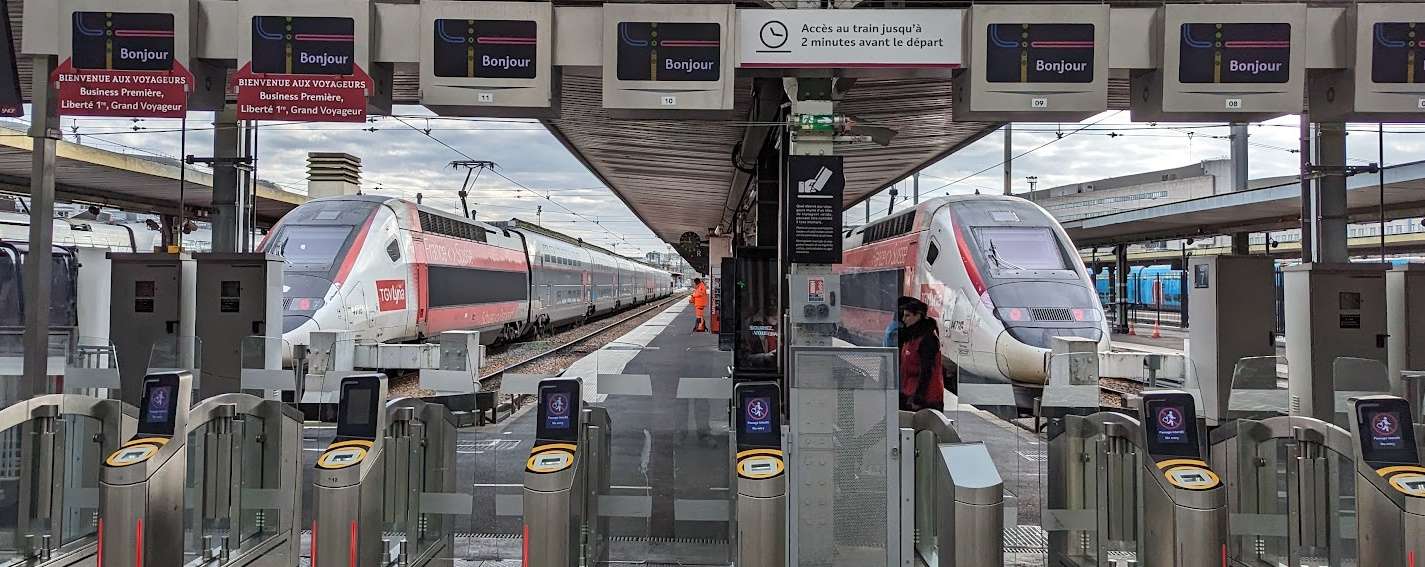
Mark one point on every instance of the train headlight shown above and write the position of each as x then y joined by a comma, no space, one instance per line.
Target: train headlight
302,303
1013,314
1093,315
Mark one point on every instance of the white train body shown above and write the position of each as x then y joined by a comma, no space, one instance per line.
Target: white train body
999,274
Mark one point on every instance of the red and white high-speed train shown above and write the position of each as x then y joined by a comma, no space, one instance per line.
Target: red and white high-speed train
391,270
999,274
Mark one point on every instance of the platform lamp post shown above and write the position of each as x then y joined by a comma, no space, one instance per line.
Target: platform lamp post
1033,182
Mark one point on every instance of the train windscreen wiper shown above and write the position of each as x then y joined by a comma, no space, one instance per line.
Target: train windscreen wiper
994,257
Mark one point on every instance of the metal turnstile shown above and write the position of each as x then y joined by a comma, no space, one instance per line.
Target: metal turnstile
1184,519
390,470
141,484
1117,485
959,496
246,472
761,480
54,447
1390,482
567,471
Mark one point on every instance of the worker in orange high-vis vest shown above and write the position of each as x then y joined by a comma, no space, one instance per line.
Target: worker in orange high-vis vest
699,299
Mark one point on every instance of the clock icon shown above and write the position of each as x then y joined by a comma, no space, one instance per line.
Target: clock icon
774,34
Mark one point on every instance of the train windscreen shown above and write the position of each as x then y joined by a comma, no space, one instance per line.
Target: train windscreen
1021,248
314,248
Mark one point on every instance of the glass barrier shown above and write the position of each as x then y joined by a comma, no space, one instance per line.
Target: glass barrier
1259,388
12,360
261,366
173,354
92,367
1355,377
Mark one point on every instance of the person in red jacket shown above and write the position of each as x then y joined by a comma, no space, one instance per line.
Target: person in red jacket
699,299
922,373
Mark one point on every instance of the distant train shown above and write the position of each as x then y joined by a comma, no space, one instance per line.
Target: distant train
392,270
1152,286
999,274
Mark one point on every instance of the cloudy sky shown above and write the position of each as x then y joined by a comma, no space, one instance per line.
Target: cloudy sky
400,158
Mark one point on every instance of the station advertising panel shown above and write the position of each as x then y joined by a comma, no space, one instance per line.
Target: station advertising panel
304,61
124,58
843,39
487,58
1225,62
668,57
1034,62
12,103
1385,79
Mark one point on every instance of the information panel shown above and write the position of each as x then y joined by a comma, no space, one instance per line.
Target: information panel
866,39
1396,52
814,191
1039,53
1235,53
302,68
669,51
488,49
122,64
11,102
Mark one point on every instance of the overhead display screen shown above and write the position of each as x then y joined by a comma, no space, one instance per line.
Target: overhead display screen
1388,435
1396,50
669,51
1243,53
303,45
123,41
489,49
1039,53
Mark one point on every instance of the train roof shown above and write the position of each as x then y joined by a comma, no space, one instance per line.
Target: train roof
905,221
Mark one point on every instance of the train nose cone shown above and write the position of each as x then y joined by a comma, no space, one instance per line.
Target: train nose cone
292,322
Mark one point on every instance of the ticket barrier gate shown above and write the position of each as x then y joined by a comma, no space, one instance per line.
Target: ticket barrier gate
959,496
385,473
55,445
1390,482
1100,464
761,480
245,479
567,471
141,484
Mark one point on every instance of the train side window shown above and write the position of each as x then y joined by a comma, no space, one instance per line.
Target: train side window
931,255
394,250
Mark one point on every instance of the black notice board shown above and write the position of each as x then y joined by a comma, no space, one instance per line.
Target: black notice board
669,51
1039,53
1235,53
813,219
11,102
122,41
487,49
303,45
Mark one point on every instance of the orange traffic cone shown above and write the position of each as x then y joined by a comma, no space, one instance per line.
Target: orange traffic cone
1130,326
1157,329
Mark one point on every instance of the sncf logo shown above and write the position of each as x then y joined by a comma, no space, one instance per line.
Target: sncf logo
391,294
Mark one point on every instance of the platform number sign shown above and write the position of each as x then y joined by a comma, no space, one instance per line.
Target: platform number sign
1234,53
487,49
669,51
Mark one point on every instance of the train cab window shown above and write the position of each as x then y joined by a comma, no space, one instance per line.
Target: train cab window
1021,248
310,245
932,254
394,251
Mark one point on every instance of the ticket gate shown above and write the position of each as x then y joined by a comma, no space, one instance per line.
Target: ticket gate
567,471
1184,521
246,470
1390,482
378,475
959,495
141,484
55,445
761,511
1121,485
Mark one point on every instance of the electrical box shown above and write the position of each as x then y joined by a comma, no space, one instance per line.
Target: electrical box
668,57
488,58
151,313
1225,62
1332,311
1231,303
239,308
1405,316
307,58
1034,63
1385,76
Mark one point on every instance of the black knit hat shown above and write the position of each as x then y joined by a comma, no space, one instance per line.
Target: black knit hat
915,306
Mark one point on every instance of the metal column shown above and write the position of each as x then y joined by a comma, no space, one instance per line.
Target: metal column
1120,282
1331,193
1240,242
1008,157
1308,211
44,130
227,198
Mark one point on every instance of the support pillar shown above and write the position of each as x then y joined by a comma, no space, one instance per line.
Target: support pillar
1008,157
1240,241
1308,209
1120,262
44,130
227,216
915,189
1331,193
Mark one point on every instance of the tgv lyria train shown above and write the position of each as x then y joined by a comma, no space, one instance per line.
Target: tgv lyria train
999,274
391,270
